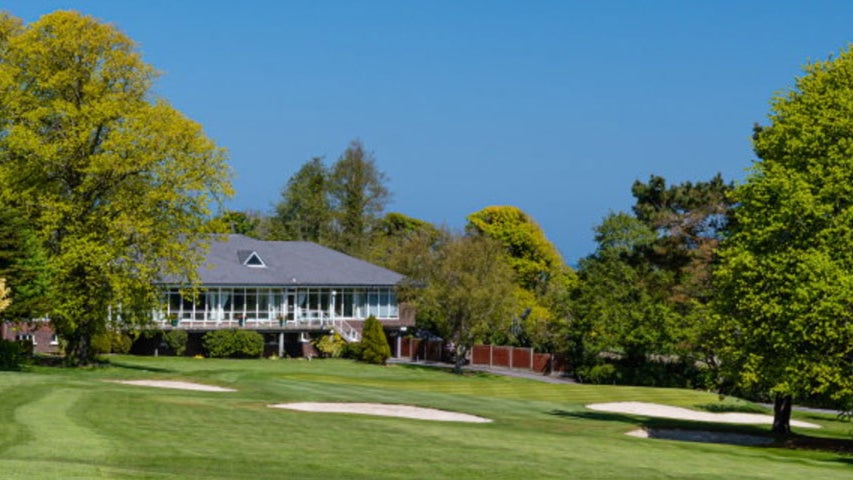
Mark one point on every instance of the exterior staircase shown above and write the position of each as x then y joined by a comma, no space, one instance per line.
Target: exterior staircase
346,331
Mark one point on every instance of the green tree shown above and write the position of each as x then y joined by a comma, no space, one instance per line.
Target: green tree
24,263
304,211
786,274
117,185
469,294
358,197
374,344
250,223
541,275
619,303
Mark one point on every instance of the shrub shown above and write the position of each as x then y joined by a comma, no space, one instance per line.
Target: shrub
233,344
330,345
176,340
602,373
375,347
352,350
111,342
11,355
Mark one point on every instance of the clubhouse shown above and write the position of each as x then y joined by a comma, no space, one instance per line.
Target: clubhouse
288,291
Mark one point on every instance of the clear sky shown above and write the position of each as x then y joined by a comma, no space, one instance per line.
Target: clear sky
555,107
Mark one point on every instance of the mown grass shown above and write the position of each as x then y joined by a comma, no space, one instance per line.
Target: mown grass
64,423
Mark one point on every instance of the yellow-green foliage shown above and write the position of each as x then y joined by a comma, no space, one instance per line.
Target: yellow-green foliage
117,186
786,273
375,348
331,345
533,257
5,301
540,273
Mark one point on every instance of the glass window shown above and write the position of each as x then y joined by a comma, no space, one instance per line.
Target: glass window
393,311
240,301
251,303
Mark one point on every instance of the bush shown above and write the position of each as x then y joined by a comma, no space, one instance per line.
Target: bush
352,350
375,347
602,373
11,355
233,344
176,340
331,345
111,342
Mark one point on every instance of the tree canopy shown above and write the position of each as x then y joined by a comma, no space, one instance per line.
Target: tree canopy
469,293
786,274
541,276
117,184
338,206
645,292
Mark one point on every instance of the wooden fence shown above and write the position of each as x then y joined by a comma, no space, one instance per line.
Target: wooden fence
484,355
513,357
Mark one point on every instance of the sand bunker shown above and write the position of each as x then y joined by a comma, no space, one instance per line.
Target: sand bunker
385,410
701,436
666,411
175,385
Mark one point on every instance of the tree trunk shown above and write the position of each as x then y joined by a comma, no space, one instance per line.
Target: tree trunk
782,415
461,352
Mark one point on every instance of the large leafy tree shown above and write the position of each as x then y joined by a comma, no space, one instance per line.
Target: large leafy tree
358,196
786,275
619,303
116,183
304,211
469,293
339,206
646,290
541,275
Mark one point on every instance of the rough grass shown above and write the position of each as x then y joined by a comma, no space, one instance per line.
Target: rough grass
63,423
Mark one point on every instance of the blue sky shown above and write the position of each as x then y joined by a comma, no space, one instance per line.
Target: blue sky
555,107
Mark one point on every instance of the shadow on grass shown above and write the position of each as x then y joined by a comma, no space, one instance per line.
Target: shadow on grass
442,367
143,368
806,442
732,408
687,430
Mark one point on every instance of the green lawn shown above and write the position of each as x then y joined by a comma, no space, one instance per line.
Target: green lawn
63,423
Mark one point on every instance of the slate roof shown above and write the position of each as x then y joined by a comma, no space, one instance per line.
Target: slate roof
287,263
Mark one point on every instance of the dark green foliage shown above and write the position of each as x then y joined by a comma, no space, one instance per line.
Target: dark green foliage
338,206
375,348
24,266
603,373
358,196
233,344
352,350
247,223
304,212
111,342
646,291
177,340
652,373
11,355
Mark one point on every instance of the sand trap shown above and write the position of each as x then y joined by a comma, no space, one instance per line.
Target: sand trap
701,436
175,385
385,410
666,411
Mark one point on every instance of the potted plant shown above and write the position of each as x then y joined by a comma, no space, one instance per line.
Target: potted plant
173,319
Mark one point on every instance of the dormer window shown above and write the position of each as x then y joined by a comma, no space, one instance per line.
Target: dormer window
251,259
